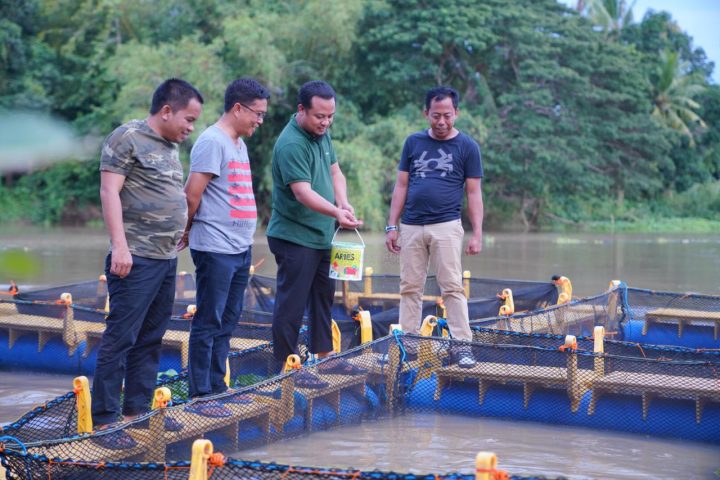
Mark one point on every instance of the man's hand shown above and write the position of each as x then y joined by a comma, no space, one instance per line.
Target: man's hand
346,219
184,241
474,245
120,262
348,207
391,239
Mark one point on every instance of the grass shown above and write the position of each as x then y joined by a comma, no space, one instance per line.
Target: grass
656,225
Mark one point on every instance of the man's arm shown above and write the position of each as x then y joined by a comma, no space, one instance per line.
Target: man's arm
397,204
120,257
195,186
475,207
340,188
311,199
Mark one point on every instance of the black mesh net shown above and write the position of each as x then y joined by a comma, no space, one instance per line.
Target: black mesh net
39,330
518,367
630,314
672,393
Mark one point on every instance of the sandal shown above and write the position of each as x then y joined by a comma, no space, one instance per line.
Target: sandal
210,409
340,366
305,379
117,440
170,424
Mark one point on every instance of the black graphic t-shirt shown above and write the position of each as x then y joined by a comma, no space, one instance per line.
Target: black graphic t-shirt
437,172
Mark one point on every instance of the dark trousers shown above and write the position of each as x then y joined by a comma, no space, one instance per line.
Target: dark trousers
140,309
221,281
303,281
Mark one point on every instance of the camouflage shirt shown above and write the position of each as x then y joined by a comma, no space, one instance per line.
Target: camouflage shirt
153,201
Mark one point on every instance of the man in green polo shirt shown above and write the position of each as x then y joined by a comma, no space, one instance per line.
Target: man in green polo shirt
309,196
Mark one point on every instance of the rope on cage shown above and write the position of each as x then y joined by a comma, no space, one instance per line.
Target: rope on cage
95,465
397,334
3,459
570,344
442,324
313,471
51,462
169,468
7,438
639,346
494,473
216,459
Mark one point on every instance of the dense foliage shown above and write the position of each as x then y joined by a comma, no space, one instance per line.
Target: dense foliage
582,117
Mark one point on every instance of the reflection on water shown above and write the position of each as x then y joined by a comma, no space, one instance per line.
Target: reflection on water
431,443
685,263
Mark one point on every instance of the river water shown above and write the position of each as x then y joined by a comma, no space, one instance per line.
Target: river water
686,263
423,443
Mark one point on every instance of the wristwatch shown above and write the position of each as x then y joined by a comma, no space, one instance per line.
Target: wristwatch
391,228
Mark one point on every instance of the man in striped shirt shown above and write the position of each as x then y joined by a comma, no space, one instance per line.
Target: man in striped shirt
221,223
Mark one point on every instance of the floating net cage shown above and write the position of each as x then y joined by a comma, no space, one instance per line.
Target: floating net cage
592,383
40,331
58,329
629,314
655,373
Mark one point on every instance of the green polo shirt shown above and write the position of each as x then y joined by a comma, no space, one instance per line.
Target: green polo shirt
299,156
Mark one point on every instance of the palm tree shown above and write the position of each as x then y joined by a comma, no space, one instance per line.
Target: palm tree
673,97
610,15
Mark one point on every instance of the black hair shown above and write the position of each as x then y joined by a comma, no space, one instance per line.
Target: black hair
244,90
174,92
315,88
441,93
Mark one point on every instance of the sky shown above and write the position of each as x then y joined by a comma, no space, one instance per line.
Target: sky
698,18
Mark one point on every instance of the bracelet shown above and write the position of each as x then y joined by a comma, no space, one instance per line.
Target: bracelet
391,228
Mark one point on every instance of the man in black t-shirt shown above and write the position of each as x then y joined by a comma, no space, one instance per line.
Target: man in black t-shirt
436,165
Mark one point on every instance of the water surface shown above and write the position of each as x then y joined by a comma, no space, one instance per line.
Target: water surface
423,443
685,263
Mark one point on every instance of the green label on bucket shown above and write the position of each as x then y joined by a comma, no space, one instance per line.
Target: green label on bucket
346,260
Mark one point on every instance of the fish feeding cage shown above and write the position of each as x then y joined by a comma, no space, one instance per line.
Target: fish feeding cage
563,381
39,330
631,314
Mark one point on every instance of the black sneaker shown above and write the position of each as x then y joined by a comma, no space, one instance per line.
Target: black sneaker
464,357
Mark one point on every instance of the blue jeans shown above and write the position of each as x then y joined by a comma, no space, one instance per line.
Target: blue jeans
303,281
221,281
140,309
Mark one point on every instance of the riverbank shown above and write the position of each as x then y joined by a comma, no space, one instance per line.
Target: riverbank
641,224
654,225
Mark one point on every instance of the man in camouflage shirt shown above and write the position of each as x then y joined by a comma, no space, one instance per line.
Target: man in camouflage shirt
145,213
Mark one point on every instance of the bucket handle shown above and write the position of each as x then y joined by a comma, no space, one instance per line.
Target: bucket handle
356,231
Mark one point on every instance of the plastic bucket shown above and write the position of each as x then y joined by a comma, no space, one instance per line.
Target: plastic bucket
346,259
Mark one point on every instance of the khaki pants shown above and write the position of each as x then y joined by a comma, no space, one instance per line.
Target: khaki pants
441,244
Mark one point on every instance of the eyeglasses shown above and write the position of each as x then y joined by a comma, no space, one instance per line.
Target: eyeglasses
259,115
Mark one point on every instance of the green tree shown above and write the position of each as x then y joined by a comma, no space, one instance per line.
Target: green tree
137,69
612,16
562,114
674,93
19,85
572,125
658,32
406,46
